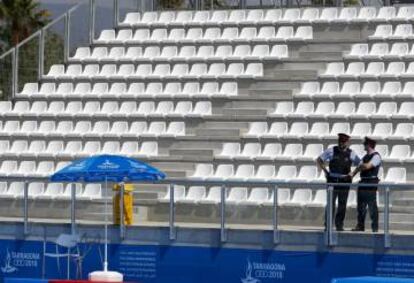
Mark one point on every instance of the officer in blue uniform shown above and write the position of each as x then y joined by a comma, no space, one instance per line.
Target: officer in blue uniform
367,195
340,159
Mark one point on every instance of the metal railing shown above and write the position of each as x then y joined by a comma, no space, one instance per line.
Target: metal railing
273,186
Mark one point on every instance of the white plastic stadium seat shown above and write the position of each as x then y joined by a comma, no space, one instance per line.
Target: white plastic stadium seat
236,195
382,32
243,172
385,14
399,153
194,195
301,197
229,150
366,14
327,15
358,51
396,175
203,171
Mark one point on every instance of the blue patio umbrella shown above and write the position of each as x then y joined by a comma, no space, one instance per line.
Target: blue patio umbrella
104,169
111,168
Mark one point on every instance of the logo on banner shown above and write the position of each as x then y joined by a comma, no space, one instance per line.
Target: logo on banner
15,260
8,267
77,167
108,165
257,271
249,278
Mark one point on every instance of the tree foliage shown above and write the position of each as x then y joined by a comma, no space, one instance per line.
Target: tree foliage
20,18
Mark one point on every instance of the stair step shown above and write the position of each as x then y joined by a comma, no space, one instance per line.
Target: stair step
321,55
192,152
270,93
196,145
295,75
244,111
217,132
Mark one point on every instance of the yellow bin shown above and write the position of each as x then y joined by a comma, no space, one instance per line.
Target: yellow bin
128,204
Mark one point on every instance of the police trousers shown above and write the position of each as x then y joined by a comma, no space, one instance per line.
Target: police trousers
367,200
340,193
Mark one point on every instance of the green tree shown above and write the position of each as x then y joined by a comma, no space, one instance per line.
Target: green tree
20,19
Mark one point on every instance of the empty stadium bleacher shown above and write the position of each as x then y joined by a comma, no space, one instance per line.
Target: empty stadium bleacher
222,95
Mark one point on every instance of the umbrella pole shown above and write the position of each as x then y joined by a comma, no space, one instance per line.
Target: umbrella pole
106,226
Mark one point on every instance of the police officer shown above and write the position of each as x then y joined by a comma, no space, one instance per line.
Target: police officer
340,159
367,196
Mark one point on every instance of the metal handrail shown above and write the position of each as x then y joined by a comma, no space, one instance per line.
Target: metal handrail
272,185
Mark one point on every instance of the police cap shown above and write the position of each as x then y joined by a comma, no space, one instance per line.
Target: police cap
343,137
368,141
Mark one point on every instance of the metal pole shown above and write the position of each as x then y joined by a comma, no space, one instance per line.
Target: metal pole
116,12
26,208
172,212
139,6
41,63
329,211
91,21
387,237
67,37
121,211
106,226
223,235
13,66
73,208
15,72
276,237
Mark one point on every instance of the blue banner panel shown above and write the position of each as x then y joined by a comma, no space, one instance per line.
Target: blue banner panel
180,264
24,280
370,279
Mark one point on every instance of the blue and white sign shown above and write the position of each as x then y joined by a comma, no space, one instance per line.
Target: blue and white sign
150,264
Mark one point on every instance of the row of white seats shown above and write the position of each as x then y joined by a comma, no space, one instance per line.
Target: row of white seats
157,72
386,32
378,51
344,110
97,129
285,173
253,196
297,152
209,36
273,16
106,109
352,89
373,70
323,130
72,149
184,53
49,191
133,90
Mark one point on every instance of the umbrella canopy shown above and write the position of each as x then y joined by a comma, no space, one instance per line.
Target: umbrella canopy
110,168
104,169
